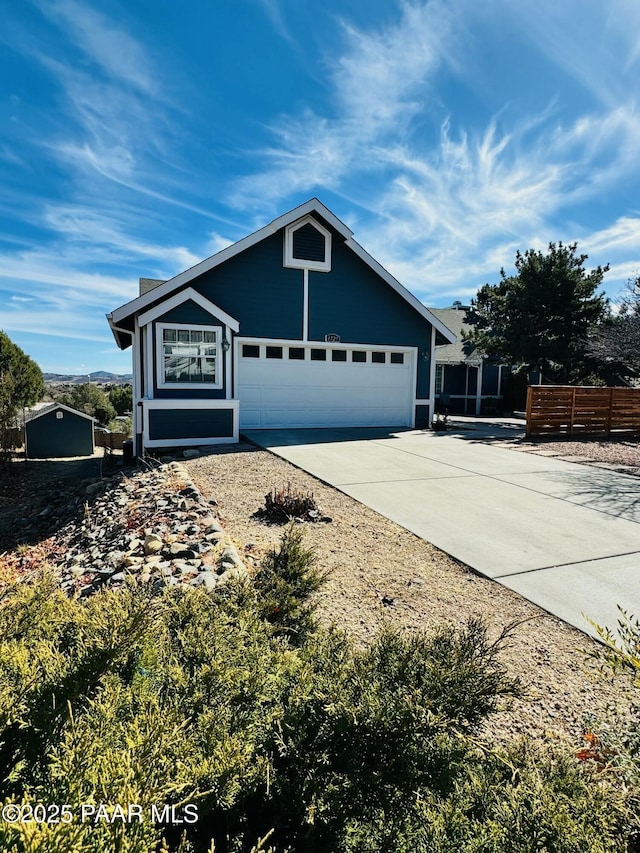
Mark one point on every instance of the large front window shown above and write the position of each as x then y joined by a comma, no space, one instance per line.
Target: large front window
190,355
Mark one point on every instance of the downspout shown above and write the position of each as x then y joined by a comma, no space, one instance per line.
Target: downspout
135,382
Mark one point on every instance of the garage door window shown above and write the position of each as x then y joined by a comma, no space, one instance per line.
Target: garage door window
397,358
318,355
378,357
296,353
358,355
250,351
274,352
339,355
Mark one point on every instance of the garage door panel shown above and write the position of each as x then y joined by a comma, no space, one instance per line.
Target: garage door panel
298,393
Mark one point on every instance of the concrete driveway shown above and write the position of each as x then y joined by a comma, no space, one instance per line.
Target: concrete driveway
563,535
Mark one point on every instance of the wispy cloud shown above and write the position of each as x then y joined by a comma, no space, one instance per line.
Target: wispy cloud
460,213
276,15
597,49
111,47
378,83
116,126
451,206
109,242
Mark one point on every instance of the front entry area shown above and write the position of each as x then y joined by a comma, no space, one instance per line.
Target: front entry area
293,384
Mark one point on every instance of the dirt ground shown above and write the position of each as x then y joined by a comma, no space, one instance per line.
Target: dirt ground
380,573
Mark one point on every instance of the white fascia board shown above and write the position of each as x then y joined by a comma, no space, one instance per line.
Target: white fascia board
119,334
185,277
184,296
402,290
314,205
453,361
56,406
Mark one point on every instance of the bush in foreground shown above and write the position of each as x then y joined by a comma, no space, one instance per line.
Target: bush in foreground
200,698
613,743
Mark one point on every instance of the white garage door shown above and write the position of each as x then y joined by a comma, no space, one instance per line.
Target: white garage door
321,385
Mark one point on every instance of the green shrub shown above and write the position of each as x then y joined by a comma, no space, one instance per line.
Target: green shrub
524,800
197,697
615,738
285,583
377,726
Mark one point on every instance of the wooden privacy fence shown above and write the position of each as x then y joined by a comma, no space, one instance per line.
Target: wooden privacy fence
114,440
592,411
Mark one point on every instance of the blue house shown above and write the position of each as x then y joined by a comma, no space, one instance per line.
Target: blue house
295,325
466,383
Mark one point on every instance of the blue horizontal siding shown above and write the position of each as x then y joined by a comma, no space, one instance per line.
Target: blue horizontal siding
355,303
267,300
422,417
171,424
192,313
254,287
490,380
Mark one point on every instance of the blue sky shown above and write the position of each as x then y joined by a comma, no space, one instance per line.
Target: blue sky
138,138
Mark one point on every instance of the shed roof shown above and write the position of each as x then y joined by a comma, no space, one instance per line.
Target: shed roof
40,409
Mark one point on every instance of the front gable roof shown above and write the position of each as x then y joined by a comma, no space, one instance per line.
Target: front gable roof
184,296
41,409
168,288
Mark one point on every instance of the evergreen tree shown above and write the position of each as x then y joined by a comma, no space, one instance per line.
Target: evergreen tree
121,398
541,317
92,401
21,384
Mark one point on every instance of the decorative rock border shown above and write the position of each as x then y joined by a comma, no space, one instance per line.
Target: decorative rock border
152,527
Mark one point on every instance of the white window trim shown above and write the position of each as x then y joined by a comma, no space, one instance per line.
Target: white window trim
192,327
188,294
302,263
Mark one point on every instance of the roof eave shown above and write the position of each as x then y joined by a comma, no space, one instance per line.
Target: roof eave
123,337
312,205
163,290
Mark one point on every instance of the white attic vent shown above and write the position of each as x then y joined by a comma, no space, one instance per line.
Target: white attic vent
307,245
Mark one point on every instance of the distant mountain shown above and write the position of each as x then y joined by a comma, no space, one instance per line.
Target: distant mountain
96,376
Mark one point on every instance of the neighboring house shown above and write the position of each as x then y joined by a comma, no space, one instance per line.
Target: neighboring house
54,430
465,382
293,326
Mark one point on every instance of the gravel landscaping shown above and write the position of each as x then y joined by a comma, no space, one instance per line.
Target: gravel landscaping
621,455
381,573
95,529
